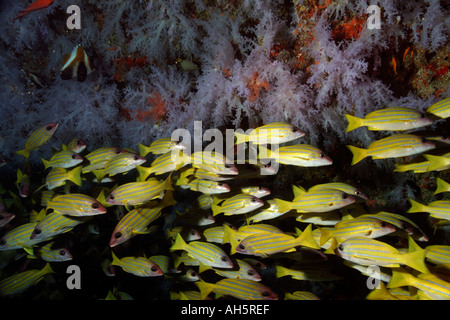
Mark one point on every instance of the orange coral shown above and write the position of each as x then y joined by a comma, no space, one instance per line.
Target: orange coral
158,110
349,30
255,85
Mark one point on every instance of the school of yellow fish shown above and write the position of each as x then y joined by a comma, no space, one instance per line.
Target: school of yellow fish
234,229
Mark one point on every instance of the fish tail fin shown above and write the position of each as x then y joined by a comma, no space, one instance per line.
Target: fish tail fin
415,260
99,174
325,235
283,206
179,244
144,172
74,175
298,191
281,271
353,122
168,199
229,236
416,207
115,261
380,293
436,162
45,162
358,154
168,183
216,209
143,150
240,137
442,186
401,167
47,269
400,279
205,288
306,239
24,152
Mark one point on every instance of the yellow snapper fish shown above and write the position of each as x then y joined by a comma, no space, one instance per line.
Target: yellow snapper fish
262,214
321,200
138,266
238,204
300,295
213,162
344,187
187,295
189,174
99,157
63,159
243,289
441,108
206,253
393,119
58,176
256,191
76,65
161,146
76,204
358,227
23,183
401,222
121,163
439,209
366,251
303,155
430,284
137,220
19,282
265,244
165,163
216,234
48,252
76,145
19,237
272,133
188,234
208,186
438,254
245,271
394,146
136,193
38,138
55,223
441,186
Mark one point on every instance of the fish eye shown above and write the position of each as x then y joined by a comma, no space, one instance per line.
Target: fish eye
74,156
253,199
357,192
136,157
62,252
265,293
423,140
80,142
404,226
117,235
192,233
322,155
154,269
111,196
48,128
117,151
250,273
344,196
294,129
241,246
2,242
220,184
422,116
95,205
193,274
228,166
383,224
223,258
37,231
341,247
